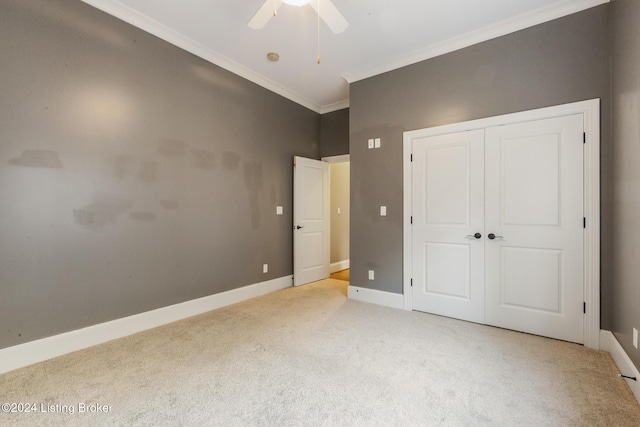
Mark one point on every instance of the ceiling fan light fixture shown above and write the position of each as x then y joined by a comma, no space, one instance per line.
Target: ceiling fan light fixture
325,9
296,2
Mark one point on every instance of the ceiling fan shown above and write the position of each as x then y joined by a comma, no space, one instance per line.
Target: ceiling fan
324,8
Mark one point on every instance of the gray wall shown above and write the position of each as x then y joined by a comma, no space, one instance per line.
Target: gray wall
334,133
133,175
339,222
626,173
558,62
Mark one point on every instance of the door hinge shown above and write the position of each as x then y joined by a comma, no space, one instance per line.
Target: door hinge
584,307
411,157
412,220
584,137
412,283
584,222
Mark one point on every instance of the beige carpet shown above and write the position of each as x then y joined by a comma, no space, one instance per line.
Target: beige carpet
309,357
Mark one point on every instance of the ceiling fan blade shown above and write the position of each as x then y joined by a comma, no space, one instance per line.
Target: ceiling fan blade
263,14
330,15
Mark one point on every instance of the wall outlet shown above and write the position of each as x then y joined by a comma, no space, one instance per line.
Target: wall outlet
371,275
635,337
279,210
265,268
370,144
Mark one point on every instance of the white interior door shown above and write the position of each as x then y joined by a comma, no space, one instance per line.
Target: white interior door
534,207
448,211
311,226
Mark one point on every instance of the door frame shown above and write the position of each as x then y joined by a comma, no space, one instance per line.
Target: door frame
343,158
591,176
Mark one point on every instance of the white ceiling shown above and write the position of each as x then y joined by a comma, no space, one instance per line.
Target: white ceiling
382,35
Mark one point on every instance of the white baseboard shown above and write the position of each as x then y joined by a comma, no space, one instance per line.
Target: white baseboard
374,296
608,342
47,348
338,266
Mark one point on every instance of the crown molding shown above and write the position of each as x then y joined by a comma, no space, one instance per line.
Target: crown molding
511,25
340,105
135,18
151,26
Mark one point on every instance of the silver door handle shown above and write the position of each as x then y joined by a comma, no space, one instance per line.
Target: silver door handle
474,236
492,236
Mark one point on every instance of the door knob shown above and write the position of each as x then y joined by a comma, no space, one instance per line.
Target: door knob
492,236
475,236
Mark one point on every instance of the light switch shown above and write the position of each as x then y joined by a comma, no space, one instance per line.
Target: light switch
338,211
370,143
383,211
265,268
376,143
278,210
371,275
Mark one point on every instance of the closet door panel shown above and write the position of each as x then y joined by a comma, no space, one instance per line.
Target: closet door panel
448,199
534,208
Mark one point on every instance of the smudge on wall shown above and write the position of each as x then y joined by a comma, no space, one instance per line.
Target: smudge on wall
105,209
253,181
169,204
142,216
172,147
38,159
148,171
123,166
203,159
230,161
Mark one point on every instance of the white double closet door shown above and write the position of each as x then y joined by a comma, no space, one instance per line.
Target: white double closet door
498,226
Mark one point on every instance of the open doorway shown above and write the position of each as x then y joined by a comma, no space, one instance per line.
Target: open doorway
339,172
